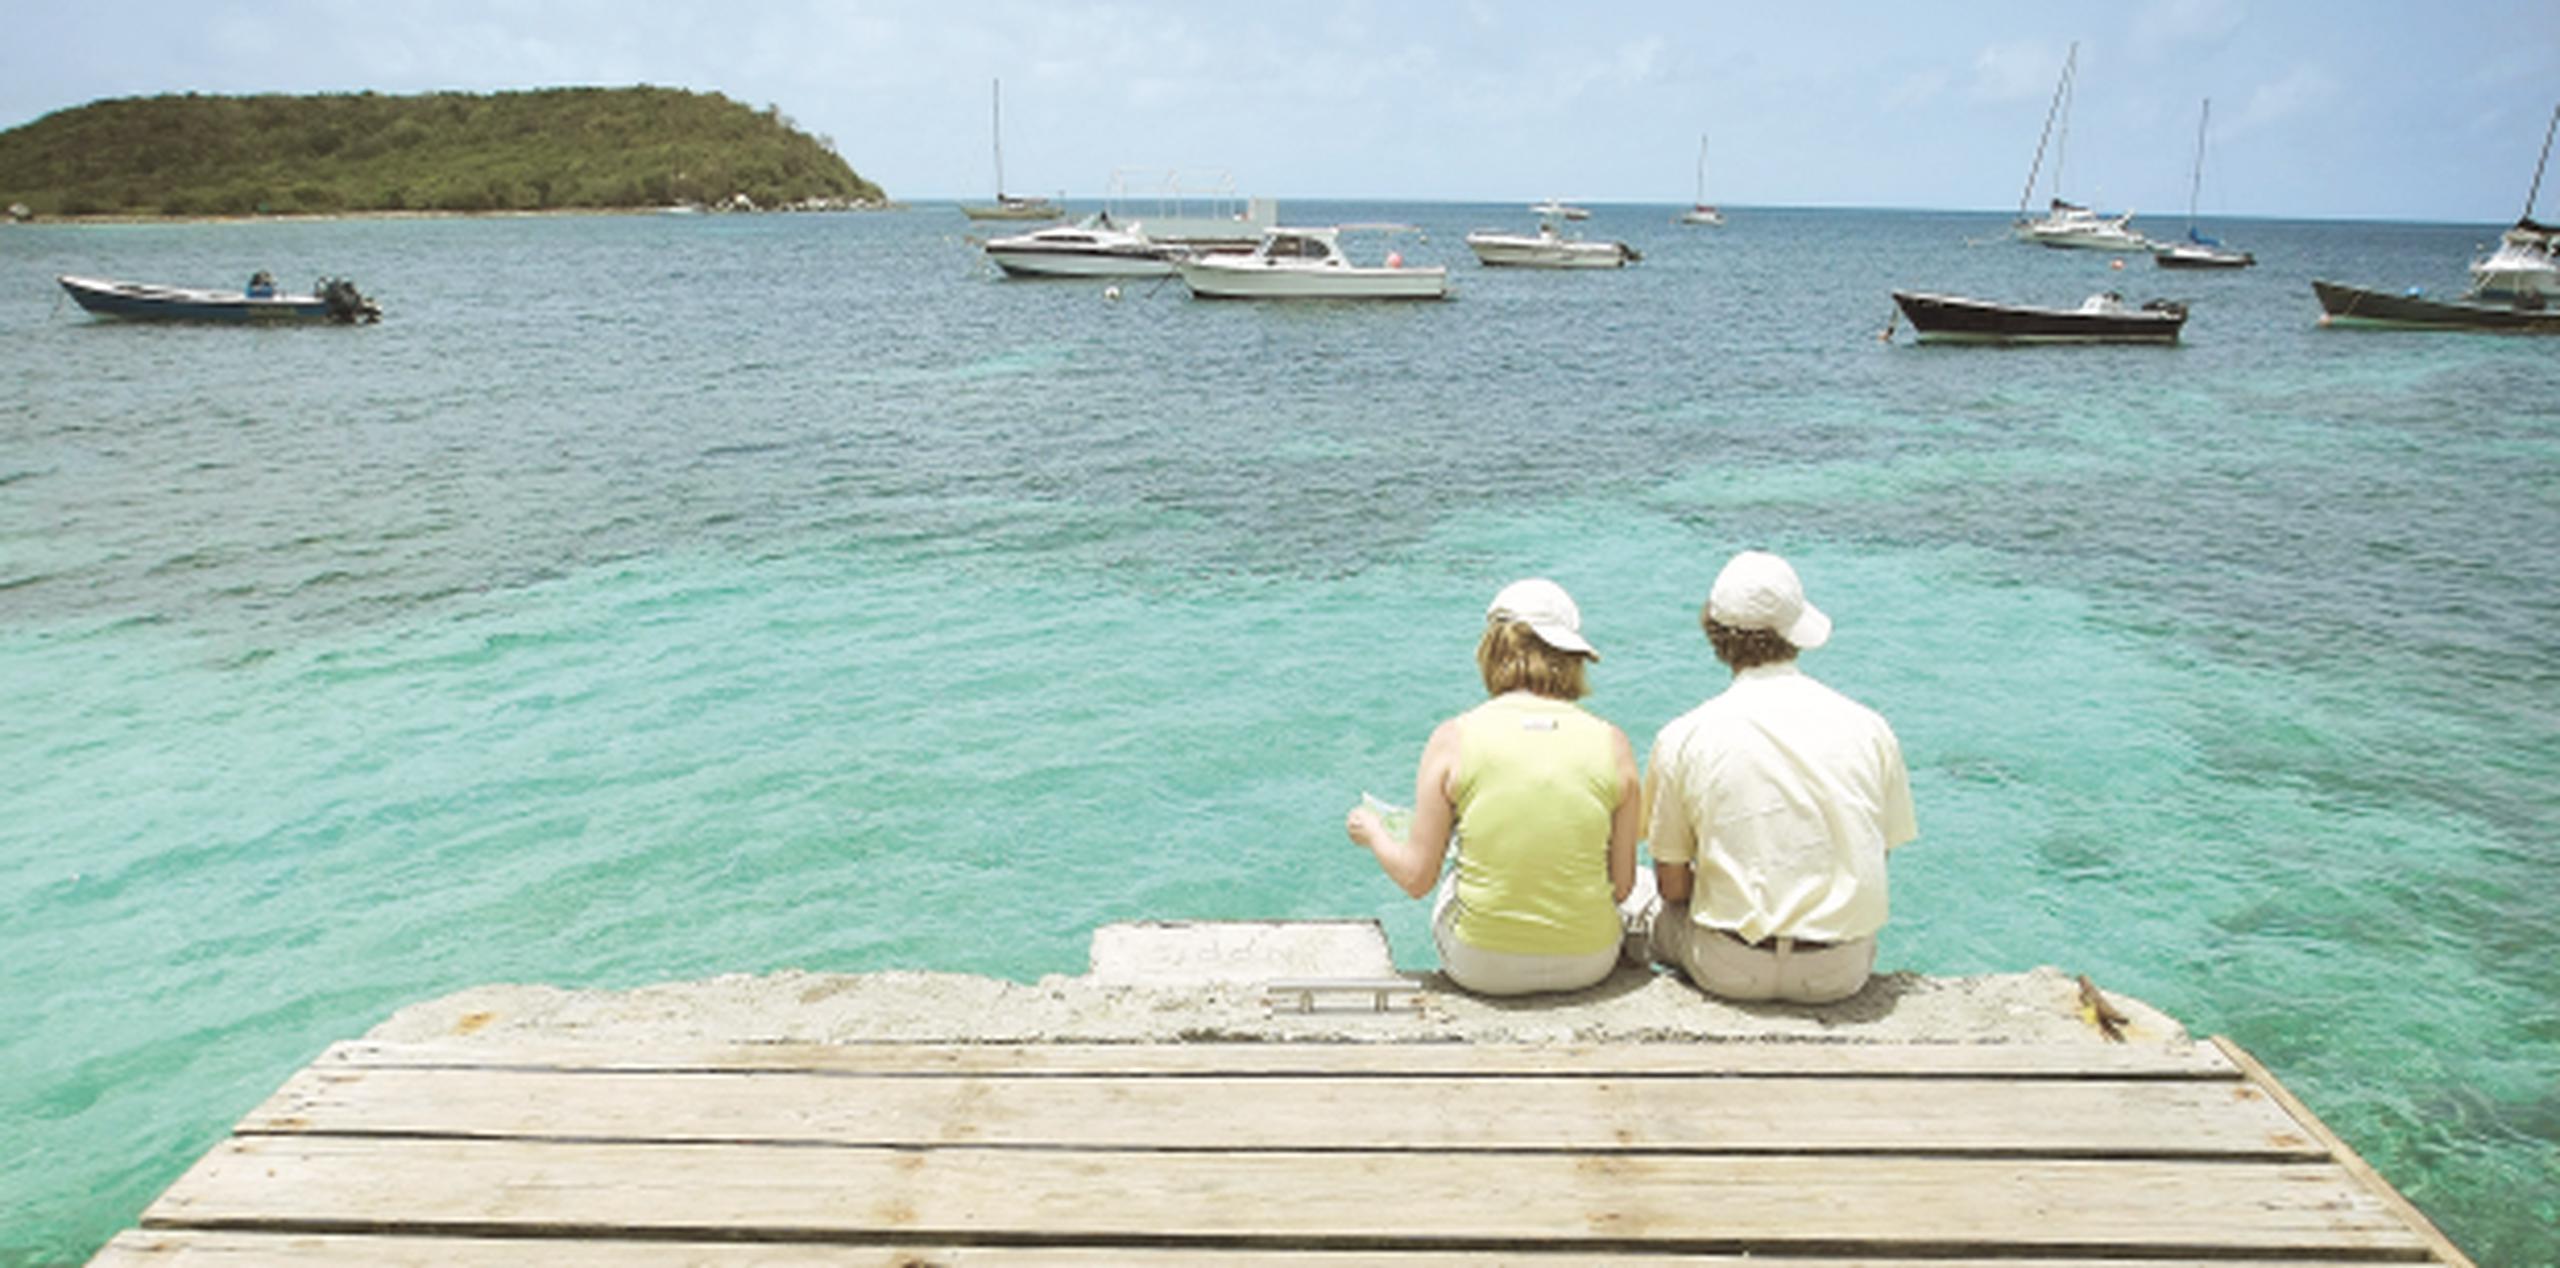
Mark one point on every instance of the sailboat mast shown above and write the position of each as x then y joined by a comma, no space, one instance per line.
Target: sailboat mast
2028,194
2195,183
997,116
2062,138
1702,170
2535,193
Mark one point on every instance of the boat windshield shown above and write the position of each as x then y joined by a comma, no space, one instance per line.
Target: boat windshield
1292,246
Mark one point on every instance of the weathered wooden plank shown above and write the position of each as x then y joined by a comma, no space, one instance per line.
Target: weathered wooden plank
2346,1156
1684,1060
2076,1118
189,1249
1842,1205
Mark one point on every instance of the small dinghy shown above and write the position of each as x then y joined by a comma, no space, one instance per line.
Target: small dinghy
329,300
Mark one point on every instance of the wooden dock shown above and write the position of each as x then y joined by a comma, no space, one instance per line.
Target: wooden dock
1778,1155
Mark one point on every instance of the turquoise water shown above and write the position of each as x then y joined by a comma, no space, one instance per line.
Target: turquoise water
656,597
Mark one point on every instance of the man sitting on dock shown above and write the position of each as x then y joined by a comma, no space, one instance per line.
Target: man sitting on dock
1771,807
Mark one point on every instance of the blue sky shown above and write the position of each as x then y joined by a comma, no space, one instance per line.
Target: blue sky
2351,109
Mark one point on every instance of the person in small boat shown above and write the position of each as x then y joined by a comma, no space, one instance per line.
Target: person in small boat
262,285
1770,808
1542,797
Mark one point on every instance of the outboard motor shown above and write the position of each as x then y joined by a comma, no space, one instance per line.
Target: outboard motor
346,303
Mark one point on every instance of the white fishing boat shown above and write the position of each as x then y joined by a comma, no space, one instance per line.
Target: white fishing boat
2066,223
2523,267
1548,248
1091,247
2526,265
1195,210
1702,212
1008,206
1310,264
2199,251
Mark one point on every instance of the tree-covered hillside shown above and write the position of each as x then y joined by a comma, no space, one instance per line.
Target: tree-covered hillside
511,151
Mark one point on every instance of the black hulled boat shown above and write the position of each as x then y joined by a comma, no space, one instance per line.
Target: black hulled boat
2102,318
2357,306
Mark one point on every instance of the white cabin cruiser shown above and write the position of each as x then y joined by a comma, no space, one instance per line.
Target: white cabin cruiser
1091,247
1548,249
2067,224
2523,267
1310,264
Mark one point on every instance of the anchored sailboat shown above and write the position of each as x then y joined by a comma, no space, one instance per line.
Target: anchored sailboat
2069,224
1009,206
1702,212
2199,251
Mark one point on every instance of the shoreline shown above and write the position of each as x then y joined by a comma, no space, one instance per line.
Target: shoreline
324,217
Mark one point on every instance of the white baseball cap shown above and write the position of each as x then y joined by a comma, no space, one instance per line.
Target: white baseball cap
1547,610
1758,591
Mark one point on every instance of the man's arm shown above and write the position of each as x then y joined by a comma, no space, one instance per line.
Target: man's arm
1667,827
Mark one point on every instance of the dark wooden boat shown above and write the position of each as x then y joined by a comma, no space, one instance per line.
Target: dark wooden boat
2357,306
2103,318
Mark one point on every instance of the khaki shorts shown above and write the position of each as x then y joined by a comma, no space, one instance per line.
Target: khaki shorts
1723,965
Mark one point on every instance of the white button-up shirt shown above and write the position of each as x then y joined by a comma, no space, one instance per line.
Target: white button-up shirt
1784,796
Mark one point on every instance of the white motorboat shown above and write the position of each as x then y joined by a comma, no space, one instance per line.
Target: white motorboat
1091,247
1558,209
1549,248
2065,223
1310,264
1196,211
1702,212
2524,267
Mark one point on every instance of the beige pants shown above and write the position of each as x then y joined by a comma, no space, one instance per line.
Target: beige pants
1508,972
1725,966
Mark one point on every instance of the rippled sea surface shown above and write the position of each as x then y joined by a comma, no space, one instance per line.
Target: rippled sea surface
659,597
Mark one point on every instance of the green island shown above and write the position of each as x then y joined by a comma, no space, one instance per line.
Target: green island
546,149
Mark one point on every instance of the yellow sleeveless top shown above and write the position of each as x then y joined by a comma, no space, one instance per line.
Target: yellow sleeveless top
1537,783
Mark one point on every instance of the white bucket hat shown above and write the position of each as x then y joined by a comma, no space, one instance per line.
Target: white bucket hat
1547,610
1758,591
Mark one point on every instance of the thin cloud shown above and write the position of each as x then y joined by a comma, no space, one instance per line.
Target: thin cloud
2177,25
2302,91
2015,71
1916,89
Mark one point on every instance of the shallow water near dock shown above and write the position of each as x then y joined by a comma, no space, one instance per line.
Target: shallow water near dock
661,597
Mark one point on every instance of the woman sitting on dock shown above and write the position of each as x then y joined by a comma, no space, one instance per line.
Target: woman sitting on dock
1543,798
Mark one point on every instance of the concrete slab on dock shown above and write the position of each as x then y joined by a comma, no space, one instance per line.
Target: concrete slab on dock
1280,1153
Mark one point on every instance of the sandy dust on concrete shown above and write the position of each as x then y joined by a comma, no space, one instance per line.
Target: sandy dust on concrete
1634,1005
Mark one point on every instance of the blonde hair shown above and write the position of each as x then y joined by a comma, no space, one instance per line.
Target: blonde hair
1512,657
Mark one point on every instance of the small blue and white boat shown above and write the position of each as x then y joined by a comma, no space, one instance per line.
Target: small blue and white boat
331,299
